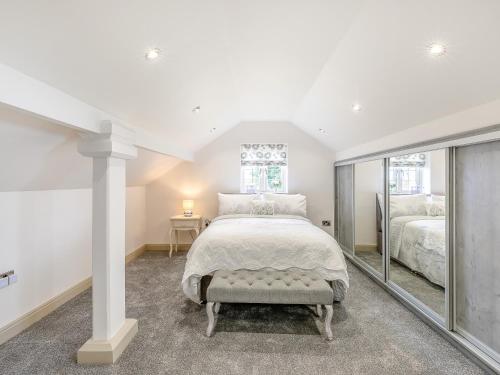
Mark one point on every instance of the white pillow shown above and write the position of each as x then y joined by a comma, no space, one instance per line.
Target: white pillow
287,204
438,198
408,205
231,204
259,207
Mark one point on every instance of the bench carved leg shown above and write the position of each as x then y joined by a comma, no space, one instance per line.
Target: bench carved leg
319,310
328,322
217,307
211,319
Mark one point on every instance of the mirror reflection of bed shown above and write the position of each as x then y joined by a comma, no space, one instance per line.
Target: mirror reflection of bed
417,226
417,235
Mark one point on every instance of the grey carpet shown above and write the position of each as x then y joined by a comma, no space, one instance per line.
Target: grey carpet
373,334
430,294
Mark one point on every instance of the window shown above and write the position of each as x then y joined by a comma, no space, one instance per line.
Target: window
408,174
264,168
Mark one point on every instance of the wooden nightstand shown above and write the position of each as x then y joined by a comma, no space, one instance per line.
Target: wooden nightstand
183,223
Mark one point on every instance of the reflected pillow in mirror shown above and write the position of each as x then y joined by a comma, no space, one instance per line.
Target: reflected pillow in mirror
438,198
408,205
435,209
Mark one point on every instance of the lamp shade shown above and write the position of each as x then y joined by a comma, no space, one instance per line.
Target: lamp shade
187,204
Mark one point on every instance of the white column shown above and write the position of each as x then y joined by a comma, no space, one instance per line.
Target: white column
108,247
111,332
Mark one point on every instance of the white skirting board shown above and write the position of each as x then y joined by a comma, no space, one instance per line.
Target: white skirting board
20,324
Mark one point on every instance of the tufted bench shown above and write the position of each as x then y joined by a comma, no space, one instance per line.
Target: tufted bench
294,287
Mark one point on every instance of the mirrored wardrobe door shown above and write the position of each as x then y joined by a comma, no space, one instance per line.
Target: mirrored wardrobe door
344,210
368,213
477,244
417,226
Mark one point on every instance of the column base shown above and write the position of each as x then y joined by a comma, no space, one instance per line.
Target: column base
108,351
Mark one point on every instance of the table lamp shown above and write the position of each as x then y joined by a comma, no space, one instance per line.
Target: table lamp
187,206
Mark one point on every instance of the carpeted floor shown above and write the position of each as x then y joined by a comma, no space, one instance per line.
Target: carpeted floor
373,334
430,294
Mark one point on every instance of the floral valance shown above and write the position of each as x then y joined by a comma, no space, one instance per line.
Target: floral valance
411,160
260,154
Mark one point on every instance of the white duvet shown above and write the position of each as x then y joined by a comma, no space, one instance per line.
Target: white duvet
278,242
419,243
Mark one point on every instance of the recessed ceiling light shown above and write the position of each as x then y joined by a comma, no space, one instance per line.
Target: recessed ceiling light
356,107
322,131
152,54
196,109
437,49
213,130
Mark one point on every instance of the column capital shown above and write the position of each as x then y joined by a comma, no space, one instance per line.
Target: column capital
114,140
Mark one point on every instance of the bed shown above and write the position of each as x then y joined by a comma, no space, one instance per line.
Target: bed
417,235
283,240
418,242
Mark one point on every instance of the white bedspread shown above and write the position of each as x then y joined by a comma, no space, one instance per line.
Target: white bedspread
419,243
279,242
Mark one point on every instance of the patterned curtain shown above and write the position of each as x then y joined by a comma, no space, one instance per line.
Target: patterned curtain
264,154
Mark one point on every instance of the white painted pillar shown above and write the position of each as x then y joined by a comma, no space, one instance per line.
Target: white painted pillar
111,332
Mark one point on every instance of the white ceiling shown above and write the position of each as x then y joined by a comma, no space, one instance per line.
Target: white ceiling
49,158
290,60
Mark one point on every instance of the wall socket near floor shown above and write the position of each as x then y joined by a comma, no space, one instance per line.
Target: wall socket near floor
7,278
326,223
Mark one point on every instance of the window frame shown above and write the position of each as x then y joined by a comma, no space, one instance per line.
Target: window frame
261,166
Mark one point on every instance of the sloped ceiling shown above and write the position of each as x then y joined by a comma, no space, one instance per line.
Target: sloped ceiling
38,155
262,60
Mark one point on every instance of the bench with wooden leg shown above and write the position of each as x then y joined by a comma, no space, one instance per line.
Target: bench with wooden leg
272,287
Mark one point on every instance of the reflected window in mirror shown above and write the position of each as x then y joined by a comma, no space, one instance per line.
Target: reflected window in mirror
369,207
409,174
417,226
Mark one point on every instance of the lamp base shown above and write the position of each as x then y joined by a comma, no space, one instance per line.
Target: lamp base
188,213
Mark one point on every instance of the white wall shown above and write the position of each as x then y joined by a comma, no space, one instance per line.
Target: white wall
47,240
217,169
135,225
368,180
438,172
471,119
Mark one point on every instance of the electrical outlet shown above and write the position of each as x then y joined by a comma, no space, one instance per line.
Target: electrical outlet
5,279
326,223
4,282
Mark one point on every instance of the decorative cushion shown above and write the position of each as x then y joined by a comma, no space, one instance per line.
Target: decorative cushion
269,286
287,204
262,207
408,205
231,204
436,208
